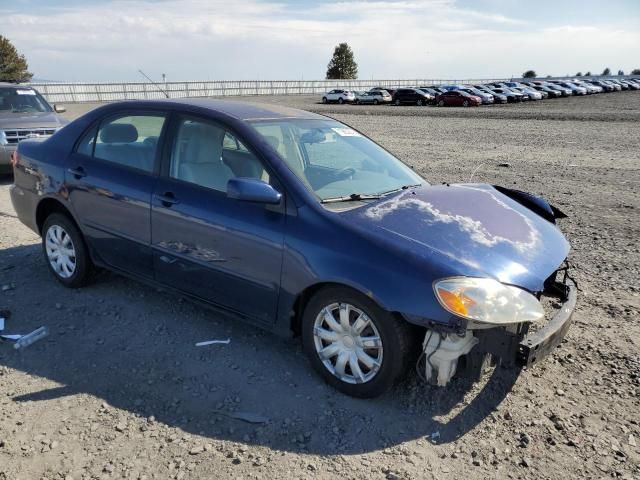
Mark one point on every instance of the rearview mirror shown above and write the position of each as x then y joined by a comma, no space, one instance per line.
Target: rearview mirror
253,190
312,136
59,108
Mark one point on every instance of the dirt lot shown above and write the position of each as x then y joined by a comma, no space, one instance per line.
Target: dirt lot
119,391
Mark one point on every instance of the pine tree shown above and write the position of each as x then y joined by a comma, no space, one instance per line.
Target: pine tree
342,65
13,66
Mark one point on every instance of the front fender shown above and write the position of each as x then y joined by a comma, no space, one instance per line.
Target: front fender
398,281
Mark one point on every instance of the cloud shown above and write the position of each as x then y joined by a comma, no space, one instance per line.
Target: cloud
262,39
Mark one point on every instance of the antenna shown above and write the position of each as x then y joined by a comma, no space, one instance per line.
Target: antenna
474,171
157,86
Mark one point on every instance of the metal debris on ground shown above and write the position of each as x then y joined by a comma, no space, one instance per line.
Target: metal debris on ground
212,342
20,341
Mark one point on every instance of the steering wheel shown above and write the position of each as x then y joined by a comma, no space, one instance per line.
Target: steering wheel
345,172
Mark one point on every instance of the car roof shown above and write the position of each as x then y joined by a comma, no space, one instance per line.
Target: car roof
15,85
232,108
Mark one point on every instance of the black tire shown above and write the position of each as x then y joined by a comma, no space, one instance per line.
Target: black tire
324,100
441,103
340,101
83,265
356,101
465,103
397,336
397,102
375,101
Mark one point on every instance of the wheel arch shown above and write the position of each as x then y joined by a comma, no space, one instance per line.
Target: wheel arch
302,299
50,205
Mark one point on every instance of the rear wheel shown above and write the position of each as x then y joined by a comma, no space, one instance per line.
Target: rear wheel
397,102
375,101
358,348
340,101
441,103
65,251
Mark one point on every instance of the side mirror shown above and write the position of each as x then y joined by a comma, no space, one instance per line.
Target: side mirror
253,190
59,108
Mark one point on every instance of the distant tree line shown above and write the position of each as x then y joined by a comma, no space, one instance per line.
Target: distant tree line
605,72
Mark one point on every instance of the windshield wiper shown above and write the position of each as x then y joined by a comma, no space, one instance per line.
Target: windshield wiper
354,197
403,187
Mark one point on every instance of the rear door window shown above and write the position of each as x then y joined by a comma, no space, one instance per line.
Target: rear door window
130,140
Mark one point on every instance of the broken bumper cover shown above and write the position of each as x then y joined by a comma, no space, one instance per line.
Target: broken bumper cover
536,346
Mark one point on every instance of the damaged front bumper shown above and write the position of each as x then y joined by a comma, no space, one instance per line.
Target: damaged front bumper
517,345
537,345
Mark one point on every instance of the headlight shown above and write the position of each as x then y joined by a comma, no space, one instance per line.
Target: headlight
3,138
487,301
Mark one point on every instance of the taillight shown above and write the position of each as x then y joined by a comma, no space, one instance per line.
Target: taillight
14,158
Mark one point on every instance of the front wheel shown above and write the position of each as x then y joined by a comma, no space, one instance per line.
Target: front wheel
465,103
324,100
441,103
357,347
340,101
397,102
65,251
375,101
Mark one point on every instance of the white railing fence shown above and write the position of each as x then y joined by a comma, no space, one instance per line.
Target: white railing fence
108,92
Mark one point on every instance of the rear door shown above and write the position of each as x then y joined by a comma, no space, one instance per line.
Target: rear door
110,178
218,249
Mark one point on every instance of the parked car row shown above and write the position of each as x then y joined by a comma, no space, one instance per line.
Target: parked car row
481,94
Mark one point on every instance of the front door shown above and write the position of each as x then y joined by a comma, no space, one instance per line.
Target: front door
110,178
218,249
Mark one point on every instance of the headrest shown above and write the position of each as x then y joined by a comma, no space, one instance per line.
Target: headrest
273,141
119,133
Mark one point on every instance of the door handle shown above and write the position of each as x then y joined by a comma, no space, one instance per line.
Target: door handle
167,199
77,172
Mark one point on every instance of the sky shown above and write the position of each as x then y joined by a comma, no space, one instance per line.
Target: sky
110,40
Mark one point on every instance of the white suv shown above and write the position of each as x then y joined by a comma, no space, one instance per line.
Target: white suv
338,95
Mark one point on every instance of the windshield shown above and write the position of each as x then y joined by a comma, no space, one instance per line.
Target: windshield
334,161
21,100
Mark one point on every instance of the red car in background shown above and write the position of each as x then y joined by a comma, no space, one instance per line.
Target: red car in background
457,98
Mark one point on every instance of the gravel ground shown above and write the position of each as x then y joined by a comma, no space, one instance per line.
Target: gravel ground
119,391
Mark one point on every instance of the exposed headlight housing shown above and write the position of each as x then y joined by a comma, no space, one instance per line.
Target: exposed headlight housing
487,301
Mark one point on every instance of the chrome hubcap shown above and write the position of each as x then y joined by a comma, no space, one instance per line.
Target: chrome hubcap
348,343
60,251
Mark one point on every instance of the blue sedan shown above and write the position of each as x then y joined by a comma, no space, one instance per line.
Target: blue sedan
301,225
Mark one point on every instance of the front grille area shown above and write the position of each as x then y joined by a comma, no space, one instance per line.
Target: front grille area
17,134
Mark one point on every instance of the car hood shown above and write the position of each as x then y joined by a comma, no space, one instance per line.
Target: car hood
31,120
473,229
